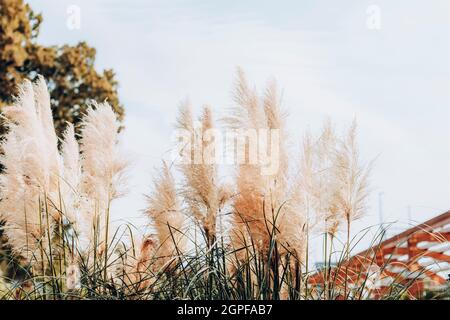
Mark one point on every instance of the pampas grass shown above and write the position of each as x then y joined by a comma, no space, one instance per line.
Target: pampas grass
29,182
139,267
44,191
102,165
257,199
354,176
164,212
202,191
103,168
71,179
266,206
56,206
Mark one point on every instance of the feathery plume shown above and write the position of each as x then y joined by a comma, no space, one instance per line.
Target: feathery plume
164,211
29,182
318,180
247,112
103,168
200,186
70,184
313,193
354,178
328,183
354,191
138,271
43,107
248,217
259,207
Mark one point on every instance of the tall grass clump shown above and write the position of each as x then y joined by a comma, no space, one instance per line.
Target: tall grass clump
202,191
255,232
29,182
165,212
56,204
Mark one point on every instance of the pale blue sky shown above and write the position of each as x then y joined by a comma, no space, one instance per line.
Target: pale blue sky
394,80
